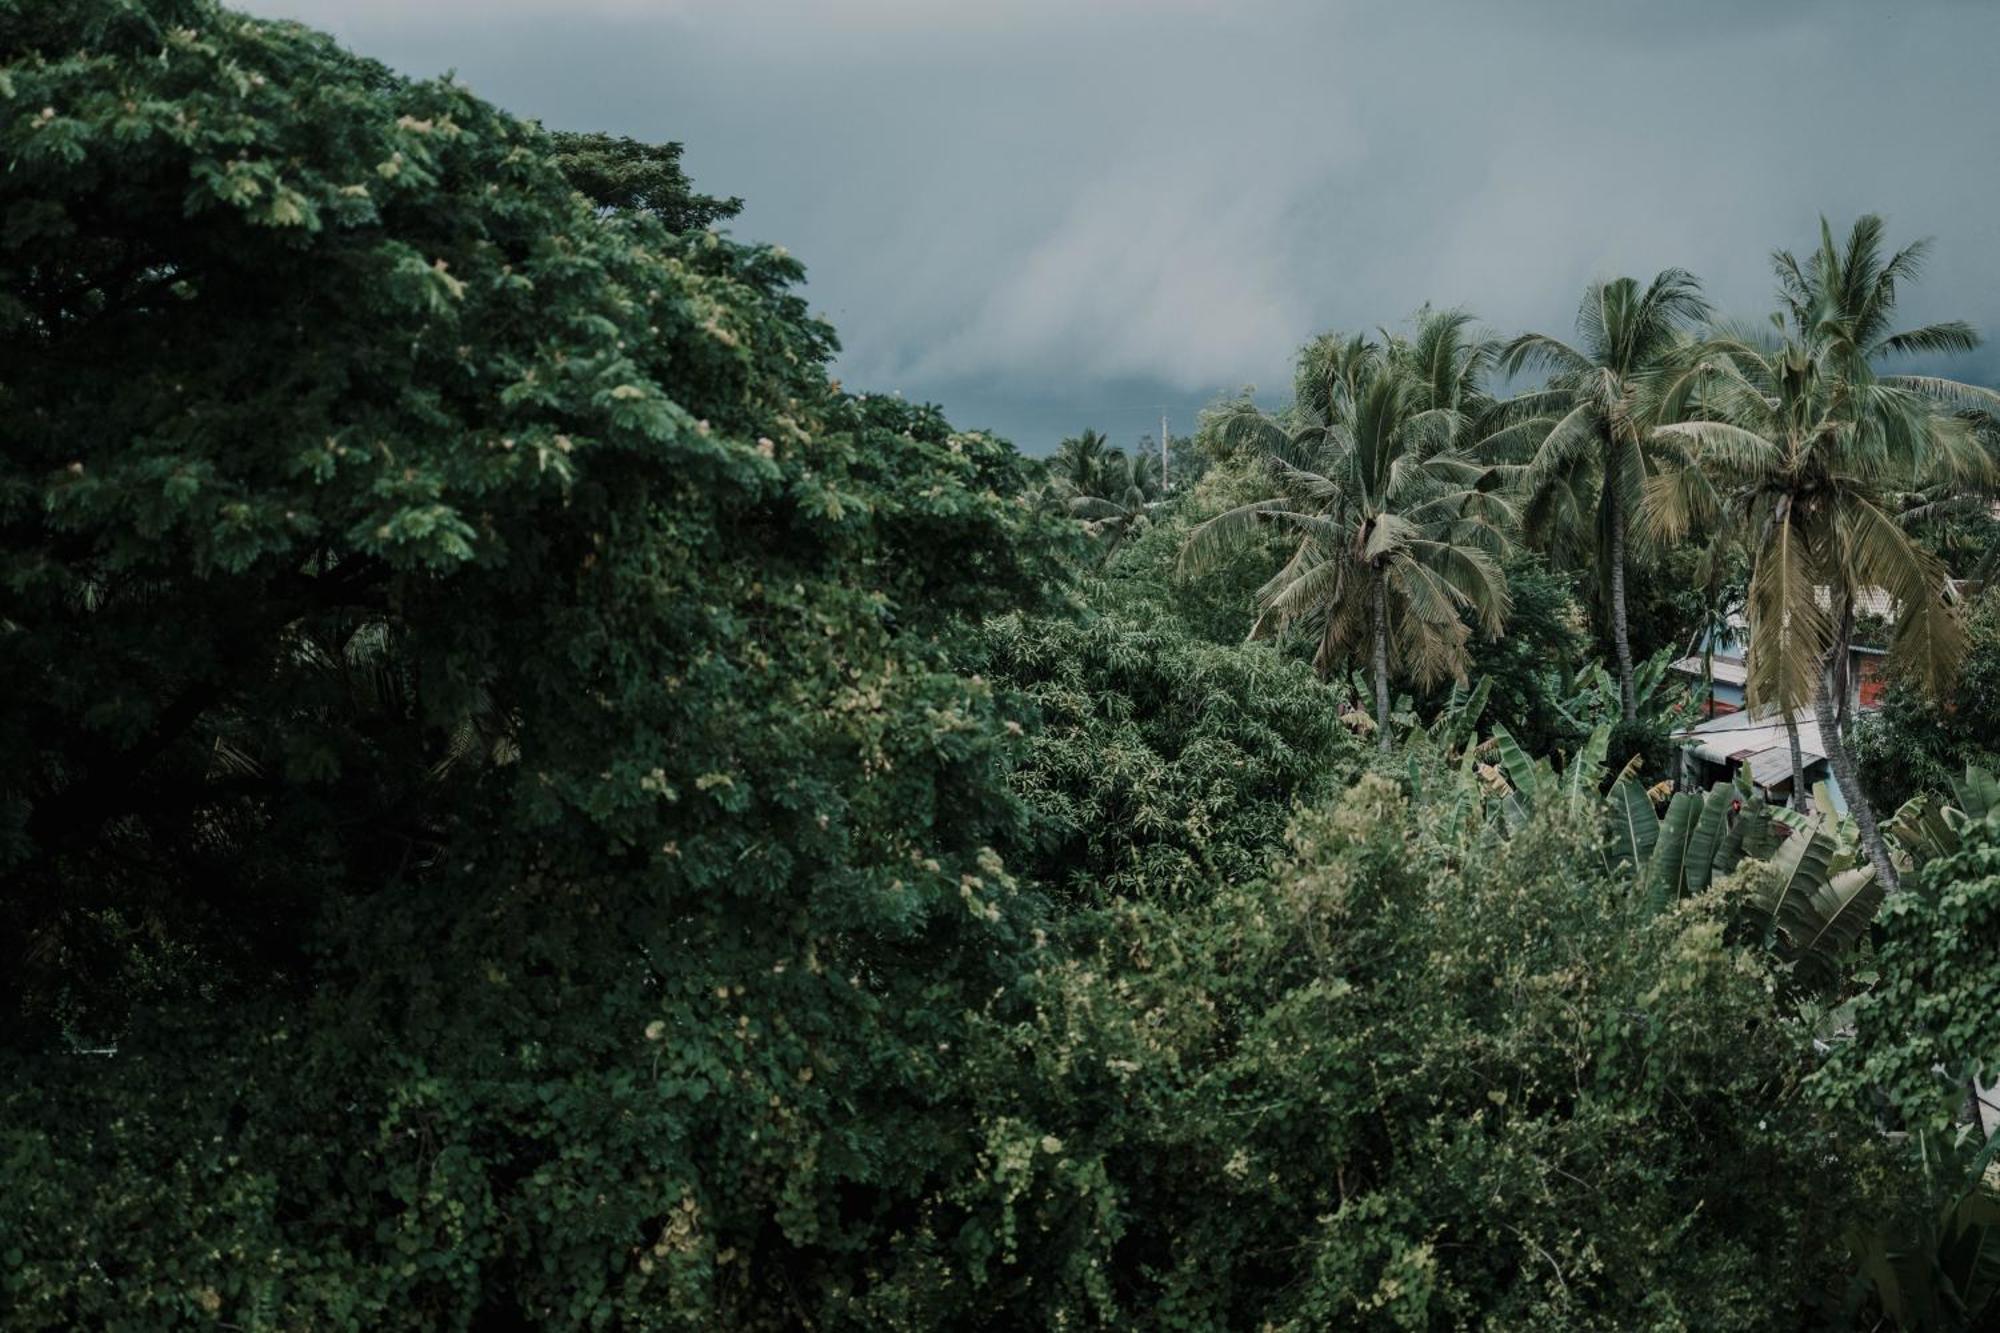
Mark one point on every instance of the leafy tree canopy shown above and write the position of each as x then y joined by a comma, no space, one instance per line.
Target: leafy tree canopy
620,173
539,810
1394,1086
495,780
1162,766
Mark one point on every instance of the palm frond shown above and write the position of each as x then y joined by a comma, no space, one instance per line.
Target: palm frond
1539,351
1790,630
1213,540
1942,339
1929,640
1729,449
1949,392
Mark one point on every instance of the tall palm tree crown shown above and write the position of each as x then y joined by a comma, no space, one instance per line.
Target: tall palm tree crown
1800,442
1124,488
1080,463
1399,525
1803,444
1594,417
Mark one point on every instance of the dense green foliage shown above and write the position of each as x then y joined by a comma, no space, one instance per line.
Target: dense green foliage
1925,1031
1920,742
1220,606
1546,635
624,174
494,777
1162,766
1393,1087
1927,1046
527,806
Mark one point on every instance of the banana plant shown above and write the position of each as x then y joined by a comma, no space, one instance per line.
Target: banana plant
1813,904
1810,909
1593,692
1702,837
1926,827
1457,722
1532,781
1945,1273
1819,900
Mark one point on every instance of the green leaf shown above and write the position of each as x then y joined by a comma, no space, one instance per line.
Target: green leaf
1521,771
1829,920
1978,794
1706,839
1801,866
1586,766
1729,850
1670,854
1635,828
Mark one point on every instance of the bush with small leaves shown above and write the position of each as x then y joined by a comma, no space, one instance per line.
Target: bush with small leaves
498,839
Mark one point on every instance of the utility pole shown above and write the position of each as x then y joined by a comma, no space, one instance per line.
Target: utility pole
1163,451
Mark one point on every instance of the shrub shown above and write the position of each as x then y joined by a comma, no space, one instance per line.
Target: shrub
496,789
1926,1038
1390,1087
1161,765
1918,743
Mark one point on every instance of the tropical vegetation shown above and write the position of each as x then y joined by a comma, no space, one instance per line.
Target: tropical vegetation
1586,479
1398,524
527,804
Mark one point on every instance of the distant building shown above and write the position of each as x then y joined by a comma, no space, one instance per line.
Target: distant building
1722,664
1729,740
1726,744
1725,662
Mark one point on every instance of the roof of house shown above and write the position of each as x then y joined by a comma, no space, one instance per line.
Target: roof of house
1741,737
1877,601
1728,670
1770,767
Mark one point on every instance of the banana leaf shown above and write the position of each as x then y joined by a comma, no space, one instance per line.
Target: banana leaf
1634,826
1670,853
1706,837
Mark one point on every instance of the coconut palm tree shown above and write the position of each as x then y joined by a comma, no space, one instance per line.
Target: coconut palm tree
1105,488
1399,526
1128,485
1080,462
1584,482
1801,444
1717,602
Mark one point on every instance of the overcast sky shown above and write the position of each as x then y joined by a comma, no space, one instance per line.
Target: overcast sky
1051,214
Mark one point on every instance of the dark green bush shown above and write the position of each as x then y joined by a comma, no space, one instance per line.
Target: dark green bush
1161,765
497,839
1390,1087
1926,1044
1918,743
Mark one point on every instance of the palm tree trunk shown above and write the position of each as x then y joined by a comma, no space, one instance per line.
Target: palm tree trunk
1798,762
1843,669
1621,640
1849,779
1381,663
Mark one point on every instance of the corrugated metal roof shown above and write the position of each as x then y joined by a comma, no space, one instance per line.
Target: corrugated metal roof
1877,601
1728,671
1727,738
1770,767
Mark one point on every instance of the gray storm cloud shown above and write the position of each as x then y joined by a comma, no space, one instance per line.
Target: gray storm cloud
1046,215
